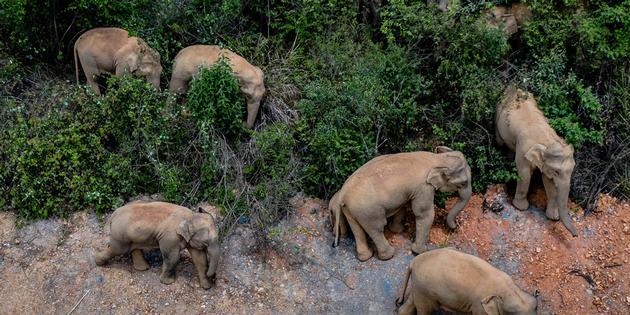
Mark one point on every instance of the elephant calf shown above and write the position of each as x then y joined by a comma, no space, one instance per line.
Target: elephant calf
383,186
111,50
251,78
523,128
170,227
457,282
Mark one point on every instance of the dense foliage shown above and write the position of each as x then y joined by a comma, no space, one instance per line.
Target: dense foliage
346,81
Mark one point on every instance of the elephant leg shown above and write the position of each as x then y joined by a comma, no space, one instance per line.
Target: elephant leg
90,69
552,198
177,85
375,228
364,252
200,260
396,225
424,305
114,248
424,212
139,263
408,308
170,255
522,186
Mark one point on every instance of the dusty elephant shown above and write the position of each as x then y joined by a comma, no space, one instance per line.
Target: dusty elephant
383,186
508,18
111,50
251,78
523,128
457,282
171,228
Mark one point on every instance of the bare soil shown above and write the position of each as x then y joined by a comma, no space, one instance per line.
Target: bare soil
47,266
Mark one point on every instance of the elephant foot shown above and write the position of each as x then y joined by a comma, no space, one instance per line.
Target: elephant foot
205,283
141,265
387,254
520,204
365,255
167,278
396,227
552,214
418,249
101,258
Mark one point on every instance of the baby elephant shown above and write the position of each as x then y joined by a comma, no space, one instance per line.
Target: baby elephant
170,227
457,282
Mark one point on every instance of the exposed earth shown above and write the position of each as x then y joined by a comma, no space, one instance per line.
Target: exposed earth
47,266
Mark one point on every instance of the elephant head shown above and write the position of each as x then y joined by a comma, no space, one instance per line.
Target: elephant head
515,301
453,174
144,62
200,233
555,161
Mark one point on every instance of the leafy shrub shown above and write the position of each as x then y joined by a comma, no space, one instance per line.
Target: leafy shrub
215,99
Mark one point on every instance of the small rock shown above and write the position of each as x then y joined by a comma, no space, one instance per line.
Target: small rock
166,304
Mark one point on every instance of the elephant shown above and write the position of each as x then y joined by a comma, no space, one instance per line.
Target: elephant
111,50
170,228
508,18
343,223
383,186
524,129
250,78
458,282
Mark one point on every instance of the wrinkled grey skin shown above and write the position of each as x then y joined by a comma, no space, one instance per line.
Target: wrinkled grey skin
171,228
457,282
383,186
111,50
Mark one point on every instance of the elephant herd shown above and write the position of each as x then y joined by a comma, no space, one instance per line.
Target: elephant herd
111,50
383,187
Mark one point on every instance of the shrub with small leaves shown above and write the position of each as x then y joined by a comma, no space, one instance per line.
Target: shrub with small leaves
215,100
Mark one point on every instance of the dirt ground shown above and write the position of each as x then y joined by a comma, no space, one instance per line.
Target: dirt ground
47,266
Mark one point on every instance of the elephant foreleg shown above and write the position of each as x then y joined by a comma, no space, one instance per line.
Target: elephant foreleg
364,252
170,255
424,212
552,199
522,186
200,261
139,263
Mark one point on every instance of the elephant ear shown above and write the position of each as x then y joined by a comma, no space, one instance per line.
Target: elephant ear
535,155
443,149
493,305
436,176
185,230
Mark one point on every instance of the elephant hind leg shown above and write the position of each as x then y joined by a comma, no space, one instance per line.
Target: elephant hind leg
364,252
114,248
139,263
374,226
424,305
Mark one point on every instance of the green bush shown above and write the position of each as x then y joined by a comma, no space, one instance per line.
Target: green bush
214,99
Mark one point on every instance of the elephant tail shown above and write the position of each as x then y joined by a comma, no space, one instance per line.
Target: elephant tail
401,298
336,209
76,63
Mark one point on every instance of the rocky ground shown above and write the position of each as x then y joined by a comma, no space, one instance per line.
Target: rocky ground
47,267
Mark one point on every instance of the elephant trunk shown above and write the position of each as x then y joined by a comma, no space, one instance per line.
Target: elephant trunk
214,252
464,196
563,198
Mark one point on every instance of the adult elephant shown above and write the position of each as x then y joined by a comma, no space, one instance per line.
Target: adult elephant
523,128
383,186
111,50
251,78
